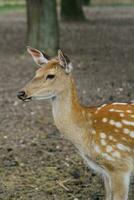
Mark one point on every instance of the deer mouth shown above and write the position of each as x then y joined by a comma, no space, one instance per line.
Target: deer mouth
27,99
22,95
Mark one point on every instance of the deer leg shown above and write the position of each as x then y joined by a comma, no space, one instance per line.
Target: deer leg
120,185
108,189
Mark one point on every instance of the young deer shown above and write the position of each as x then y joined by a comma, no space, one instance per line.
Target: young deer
103,135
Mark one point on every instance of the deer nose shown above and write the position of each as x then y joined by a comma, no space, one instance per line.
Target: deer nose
21,95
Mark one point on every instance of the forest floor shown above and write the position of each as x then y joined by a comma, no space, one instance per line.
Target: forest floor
35,161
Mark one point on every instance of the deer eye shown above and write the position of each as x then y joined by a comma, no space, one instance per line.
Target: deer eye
50,76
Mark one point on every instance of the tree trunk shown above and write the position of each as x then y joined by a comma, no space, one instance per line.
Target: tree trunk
86,2
42,25
72,10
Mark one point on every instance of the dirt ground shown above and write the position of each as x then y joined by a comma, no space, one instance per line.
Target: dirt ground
36,163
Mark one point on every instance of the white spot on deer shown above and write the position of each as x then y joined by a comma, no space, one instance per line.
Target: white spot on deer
107,156
129,111
126,131
111,137
119,103
103,135
112,122
122,115
101,106
93,132
132,134
123,147
104,120
111,110
129,123
103,142
118,124
109,149
132,116
116,110
116,154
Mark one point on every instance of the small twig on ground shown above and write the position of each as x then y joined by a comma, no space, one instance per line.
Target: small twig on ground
61,183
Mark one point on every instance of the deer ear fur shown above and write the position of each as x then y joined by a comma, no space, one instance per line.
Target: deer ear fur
38,56
64,61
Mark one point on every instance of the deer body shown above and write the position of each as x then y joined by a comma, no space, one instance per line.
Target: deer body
104,146
103,135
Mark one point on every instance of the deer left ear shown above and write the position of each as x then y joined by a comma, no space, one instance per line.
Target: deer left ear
38,56
65,62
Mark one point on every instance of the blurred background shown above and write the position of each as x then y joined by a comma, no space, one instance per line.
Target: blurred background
98,36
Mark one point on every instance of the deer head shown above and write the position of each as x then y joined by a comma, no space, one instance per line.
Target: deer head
51,79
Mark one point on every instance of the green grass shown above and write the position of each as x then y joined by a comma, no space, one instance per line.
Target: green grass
10,7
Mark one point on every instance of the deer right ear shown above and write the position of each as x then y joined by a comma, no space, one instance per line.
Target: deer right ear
39,57
65,62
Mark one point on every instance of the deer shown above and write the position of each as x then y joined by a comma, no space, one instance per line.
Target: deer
103,135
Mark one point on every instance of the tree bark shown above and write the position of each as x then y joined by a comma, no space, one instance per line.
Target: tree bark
71,10
86,2
42,25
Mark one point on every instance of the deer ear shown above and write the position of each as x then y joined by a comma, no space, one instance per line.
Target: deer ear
65,62
38,56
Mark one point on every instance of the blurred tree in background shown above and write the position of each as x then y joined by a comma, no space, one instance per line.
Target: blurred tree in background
86,2
71,10
42,25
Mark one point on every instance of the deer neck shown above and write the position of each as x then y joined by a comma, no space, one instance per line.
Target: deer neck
68,114
64,104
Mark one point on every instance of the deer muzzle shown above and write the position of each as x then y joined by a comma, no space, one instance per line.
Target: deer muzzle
22,95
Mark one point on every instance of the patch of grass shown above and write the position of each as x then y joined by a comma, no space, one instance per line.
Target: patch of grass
10,7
